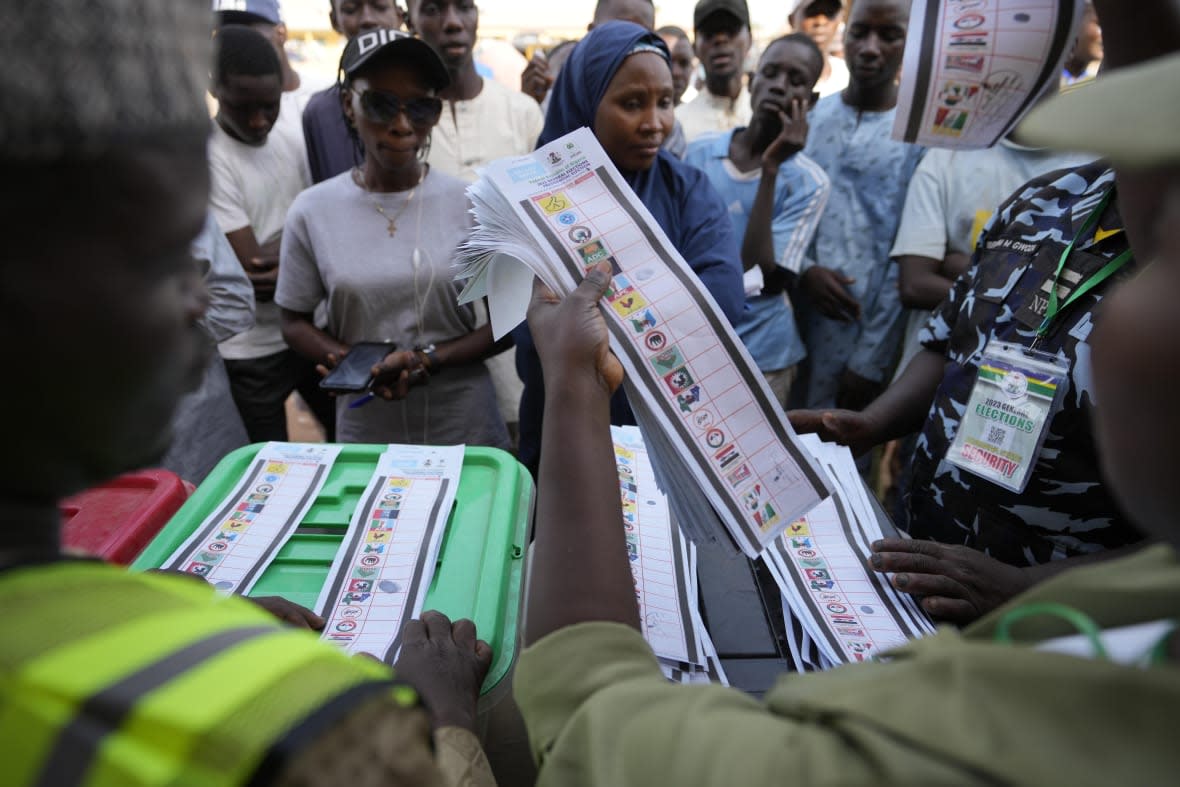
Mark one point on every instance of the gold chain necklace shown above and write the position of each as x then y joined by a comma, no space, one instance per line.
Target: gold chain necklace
359,179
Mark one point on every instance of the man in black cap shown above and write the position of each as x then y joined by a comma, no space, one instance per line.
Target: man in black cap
722,29
330,147
820,21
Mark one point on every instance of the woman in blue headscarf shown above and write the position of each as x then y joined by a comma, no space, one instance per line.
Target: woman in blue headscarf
618,82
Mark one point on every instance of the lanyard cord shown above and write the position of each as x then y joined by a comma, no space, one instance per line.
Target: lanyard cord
1054,307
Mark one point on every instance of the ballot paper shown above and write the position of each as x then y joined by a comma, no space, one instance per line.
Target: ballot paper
973,68
235,544
384,568
720,445
837,609
664,569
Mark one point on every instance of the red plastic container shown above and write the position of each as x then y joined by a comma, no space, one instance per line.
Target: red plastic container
117,520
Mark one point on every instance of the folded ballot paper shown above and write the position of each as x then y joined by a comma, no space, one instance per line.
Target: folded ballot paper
837,609
664,568
720,445
974,69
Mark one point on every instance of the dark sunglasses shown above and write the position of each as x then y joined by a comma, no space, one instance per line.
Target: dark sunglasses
380,107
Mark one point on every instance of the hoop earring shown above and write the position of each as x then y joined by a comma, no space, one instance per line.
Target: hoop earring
424,151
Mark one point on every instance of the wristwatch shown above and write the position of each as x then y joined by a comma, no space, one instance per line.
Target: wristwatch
429,357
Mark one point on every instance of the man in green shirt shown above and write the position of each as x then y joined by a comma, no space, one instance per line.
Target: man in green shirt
1011,699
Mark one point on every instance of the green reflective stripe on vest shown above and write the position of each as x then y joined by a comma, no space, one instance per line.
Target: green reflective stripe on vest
173,693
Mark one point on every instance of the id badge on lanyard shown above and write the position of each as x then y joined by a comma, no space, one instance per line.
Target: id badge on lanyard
1015,396
1019,389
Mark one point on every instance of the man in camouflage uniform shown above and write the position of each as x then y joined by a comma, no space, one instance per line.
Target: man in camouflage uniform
1001,541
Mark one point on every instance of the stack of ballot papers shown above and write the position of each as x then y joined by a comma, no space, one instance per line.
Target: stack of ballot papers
720,445
837,609
384,568
663,565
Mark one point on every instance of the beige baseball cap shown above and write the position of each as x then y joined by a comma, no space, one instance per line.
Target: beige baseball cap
1129,115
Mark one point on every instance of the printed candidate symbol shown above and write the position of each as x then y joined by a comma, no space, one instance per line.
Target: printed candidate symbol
968,41
846,620
618,287
355,598
801,543
217,546
360,585
644,322
350,612
346,625
655,341
727,456
689,398
971,64
554,203
829,596
264,489
336,636
799,528
276,467
955,93
272,478
678,380
838,609
375,549
364,572
629,304
714,438
807,553
200,569
580,234
739,476
767,517
811,562
593,253
969,21
950,121
568,218
668,360
370,560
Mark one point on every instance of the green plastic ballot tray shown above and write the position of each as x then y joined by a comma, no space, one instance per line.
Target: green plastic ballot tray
481,561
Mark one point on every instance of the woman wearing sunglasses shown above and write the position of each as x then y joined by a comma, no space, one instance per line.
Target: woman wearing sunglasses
375,245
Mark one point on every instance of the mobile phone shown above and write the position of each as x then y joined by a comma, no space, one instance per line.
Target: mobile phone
355,371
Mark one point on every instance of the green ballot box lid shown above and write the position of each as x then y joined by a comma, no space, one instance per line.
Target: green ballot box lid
481,562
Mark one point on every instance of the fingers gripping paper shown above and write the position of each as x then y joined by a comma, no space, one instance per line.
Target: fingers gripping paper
973,68
721,447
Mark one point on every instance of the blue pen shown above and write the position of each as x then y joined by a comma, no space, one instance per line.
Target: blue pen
370,396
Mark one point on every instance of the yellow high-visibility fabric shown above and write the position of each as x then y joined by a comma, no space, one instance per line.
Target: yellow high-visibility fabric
155,679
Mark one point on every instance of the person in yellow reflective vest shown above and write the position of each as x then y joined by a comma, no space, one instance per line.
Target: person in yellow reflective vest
108,677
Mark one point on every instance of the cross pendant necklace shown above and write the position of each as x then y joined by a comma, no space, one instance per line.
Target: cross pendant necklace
391,221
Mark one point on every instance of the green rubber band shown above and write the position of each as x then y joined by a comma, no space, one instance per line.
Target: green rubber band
1079,620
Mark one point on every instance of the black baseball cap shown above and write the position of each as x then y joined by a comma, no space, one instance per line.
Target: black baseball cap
706,8
825,6
385,41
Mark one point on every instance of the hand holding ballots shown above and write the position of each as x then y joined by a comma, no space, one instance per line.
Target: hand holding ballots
721,448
